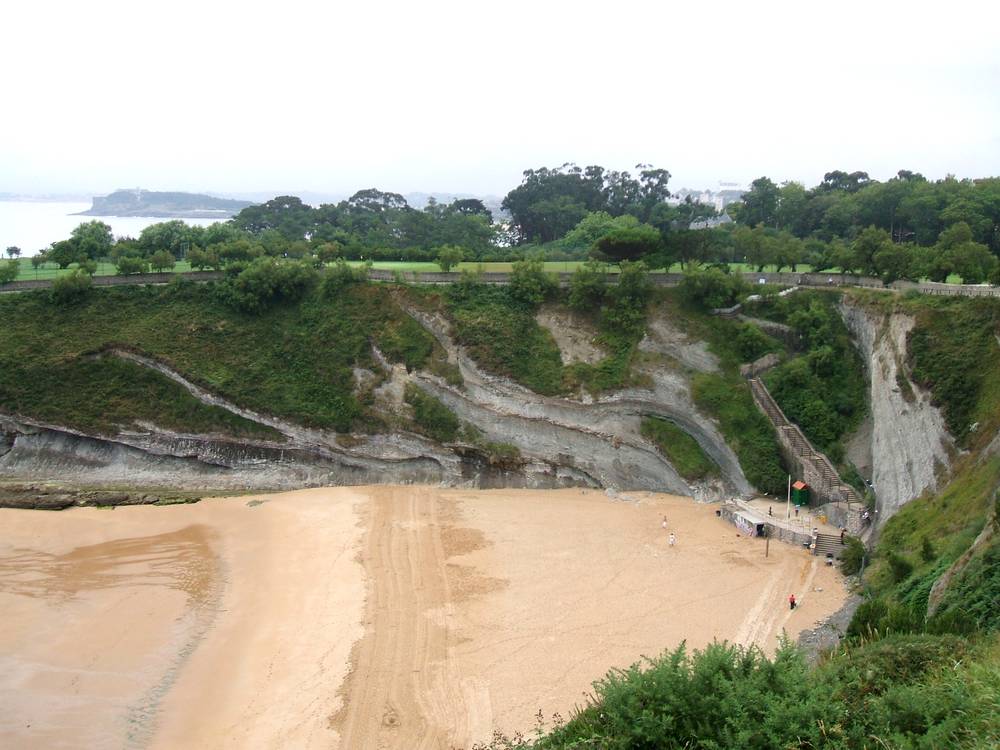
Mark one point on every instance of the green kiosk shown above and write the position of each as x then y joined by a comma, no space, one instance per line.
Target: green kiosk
800,493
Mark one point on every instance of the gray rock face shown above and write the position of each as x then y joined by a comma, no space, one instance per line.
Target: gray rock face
563,442
910,445
599,437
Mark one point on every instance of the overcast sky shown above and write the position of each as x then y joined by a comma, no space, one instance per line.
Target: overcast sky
463,96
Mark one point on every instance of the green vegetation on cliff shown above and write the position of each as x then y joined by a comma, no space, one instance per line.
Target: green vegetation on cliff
824,389
289,360
681,449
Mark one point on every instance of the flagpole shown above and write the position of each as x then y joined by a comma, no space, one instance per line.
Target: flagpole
788,502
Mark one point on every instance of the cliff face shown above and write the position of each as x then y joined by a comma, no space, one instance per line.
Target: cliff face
562,441
910,447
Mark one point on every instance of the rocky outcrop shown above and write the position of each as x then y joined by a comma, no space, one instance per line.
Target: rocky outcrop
599,437
911,449
663,337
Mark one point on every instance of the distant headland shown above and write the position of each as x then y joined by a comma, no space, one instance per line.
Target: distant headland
164,205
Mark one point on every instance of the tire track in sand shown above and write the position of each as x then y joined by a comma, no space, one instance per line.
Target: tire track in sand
400,693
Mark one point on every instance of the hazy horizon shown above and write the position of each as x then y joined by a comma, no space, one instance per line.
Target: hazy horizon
232,98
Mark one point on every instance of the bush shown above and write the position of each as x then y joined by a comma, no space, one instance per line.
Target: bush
682,450
712,288
752,343
449,256
435,419
588,286
529,283
129,264
852,557
343,275
265,282
626,313
71,287
9,271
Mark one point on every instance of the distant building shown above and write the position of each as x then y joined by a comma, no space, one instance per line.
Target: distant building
728,192
711,222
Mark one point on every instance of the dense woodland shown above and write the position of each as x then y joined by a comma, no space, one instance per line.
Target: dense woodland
907,227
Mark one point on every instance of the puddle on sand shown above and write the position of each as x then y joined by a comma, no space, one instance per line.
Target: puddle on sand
96,636
180,560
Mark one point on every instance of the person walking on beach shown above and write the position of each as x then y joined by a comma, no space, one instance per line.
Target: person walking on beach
673,539
664,523
791,601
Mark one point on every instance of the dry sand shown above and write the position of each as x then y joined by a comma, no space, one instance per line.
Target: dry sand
380,617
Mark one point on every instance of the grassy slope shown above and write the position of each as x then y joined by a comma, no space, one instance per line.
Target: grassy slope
293,361
681,449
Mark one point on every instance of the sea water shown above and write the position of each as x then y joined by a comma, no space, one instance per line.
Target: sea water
34,225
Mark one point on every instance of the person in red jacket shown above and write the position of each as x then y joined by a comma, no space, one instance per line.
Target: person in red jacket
791,601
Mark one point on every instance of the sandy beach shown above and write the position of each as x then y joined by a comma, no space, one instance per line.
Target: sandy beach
368,617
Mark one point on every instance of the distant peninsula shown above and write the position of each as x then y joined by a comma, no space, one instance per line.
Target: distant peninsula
164,205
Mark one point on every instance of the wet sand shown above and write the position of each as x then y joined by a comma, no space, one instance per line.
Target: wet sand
378,617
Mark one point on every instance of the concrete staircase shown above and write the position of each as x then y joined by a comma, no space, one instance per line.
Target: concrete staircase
817,469
828,543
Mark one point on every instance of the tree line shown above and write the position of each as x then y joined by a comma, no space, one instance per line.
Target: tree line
907,227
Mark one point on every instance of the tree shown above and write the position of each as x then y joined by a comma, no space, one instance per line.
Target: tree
93,239
449,256
162,260
173,236
792,199
868,243
328,252
689,246
63,253
760,203
285,214
750,245
972,261
39,260
472,207
129,264
893,261
13,252
628,243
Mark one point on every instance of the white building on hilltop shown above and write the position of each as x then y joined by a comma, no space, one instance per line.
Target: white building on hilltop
728,192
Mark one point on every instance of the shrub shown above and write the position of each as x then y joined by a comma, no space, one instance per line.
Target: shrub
265,282
588,286
435,419
449,256
129,264
343,275
712,288
529,283
752,343
682,450
9,271
852,557
71,287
